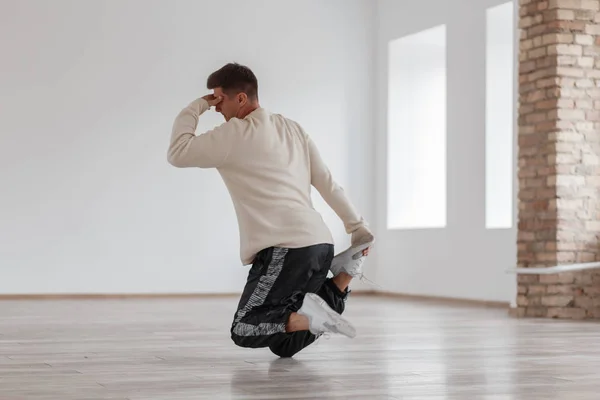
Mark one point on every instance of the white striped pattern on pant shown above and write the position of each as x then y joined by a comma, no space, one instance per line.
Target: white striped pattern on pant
258,297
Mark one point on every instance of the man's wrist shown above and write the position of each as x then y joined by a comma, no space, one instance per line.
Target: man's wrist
198,106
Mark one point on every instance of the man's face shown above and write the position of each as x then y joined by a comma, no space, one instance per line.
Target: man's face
229,106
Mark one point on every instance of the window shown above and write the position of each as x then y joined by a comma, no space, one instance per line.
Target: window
416,151
499,128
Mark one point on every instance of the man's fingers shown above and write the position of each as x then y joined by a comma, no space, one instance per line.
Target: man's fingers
215,101
212,100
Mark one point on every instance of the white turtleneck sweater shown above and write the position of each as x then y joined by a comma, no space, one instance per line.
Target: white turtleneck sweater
268,164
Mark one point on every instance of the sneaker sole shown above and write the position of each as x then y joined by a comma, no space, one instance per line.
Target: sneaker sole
340,324
349,255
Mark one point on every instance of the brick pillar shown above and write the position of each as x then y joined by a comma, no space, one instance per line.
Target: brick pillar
559,156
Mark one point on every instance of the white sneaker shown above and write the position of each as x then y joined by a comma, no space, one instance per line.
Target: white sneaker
322,319
350,261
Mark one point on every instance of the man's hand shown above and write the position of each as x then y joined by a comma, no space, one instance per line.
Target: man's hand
212,99
360,236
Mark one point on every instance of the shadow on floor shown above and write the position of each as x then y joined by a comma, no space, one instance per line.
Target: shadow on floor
283,377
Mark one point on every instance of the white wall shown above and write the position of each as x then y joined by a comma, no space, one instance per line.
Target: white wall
88,93
462,260
416,130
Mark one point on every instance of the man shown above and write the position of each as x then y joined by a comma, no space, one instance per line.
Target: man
269,164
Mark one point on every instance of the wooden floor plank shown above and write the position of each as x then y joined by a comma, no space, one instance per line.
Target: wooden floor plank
180,349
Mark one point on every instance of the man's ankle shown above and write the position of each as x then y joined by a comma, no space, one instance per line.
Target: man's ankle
296,322
342,281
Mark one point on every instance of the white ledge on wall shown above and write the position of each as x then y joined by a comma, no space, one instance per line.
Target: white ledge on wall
554,270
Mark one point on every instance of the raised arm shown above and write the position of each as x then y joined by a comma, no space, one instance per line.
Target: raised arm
334,195
208,150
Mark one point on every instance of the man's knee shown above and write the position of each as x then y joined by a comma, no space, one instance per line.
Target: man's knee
285,346
242,336
243,341
283,352
290,344
239,340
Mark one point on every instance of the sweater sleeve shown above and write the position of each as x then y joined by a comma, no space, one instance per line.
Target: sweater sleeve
333,194
207,150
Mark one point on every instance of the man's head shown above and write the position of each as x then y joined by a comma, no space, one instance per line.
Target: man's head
238,87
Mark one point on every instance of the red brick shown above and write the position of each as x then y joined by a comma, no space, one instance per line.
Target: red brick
527,21
593,116
554,38
593,5
543,73
593,313
526,109
526,44
522,300
572,4
584,104
535,118
584,83
563,14
559,157
559,289
571,114
591,51
546,105
557,301
585,15
537,30
567,26
592,29
535,96
566,313
584,278
537,53
565,49
593,93
536,312
584,302
592,291
528,87
563,277
570,72
585,62
545,62
565,103
567,61
584,39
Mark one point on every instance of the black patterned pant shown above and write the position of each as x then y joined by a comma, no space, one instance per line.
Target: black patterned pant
276,284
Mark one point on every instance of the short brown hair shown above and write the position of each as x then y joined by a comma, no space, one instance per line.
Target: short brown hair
234,78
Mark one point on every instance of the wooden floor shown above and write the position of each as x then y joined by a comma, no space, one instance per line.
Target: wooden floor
172,349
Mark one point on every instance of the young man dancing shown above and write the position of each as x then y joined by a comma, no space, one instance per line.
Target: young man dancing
269,164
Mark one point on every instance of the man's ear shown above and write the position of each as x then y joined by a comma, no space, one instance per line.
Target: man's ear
242,98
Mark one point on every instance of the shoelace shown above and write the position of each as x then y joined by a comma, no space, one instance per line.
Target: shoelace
327,336
364,279
361,276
